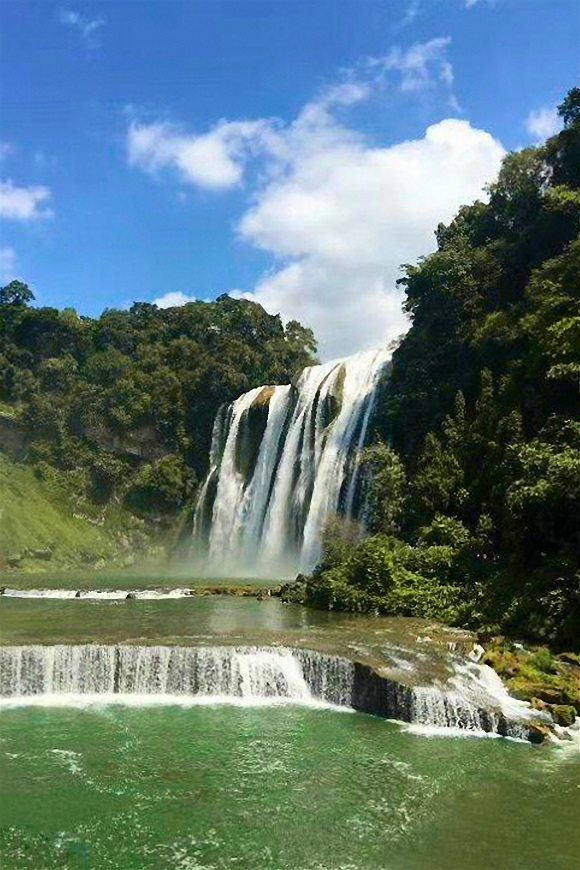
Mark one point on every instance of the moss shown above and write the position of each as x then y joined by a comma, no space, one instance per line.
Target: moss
536,675
564,714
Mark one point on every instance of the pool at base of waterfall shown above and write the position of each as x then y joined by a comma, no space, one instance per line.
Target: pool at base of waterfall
287,788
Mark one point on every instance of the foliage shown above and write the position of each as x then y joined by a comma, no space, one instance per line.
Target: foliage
482,410
121,407
384,487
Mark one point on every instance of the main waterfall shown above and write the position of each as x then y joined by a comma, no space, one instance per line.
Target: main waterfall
283,459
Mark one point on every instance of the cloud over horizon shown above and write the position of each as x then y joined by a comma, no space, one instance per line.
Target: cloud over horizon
337,212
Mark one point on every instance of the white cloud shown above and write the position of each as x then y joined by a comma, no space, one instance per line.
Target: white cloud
337,213
420,65
173,300
410,14
87,27
542,123
23,203
341,221
213,160
7,264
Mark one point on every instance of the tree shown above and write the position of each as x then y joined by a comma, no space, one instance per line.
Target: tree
16,293
569,108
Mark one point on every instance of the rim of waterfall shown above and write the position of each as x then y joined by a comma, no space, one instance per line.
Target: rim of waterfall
473,700
283,460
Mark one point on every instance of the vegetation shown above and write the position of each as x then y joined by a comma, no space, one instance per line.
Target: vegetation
38,528
474,509
116,412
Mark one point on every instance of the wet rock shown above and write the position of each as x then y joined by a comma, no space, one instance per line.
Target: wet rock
129,596
539,733
78,593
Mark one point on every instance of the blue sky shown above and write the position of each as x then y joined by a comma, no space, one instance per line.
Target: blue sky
293,151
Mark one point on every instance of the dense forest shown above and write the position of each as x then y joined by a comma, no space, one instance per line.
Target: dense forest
473,482
115,413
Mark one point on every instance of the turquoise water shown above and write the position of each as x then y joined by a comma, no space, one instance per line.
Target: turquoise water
287,788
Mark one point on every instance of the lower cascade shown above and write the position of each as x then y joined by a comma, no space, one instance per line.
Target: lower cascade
475,700
283,458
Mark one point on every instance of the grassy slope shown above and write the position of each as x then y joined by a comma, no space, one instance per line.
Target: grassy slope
35,516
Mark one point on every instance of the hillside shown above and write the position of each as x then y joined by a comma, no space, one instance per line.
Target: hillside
116,413
475,502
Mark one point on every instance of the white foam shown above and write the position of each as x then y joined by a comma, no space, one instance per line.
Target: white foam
100,594
134,700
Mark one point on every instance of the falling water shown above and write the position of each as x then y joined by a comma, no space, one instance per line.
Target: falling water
474,700
287,460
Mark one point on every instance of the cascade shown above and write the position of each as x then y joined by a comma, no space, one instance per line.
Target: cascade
475,700
283,459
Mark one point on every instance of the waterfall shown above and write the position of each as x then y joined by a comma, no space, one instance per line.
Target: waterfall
284,459
474,700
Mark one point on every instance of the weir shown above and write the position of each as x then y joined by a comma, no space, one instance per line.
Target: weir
283,459
474,701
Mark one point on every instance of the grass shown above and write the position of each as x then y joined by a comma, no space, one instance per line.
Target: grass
36,516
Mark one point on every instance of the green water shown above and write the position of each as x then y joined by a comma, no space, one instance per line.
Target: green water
230,620
286,788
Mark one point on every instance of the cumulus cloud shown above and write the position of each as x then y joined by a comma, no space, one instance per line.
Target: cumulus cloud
7,264
338,213
23,203
341,221
213,160
542,123
173,300
86,27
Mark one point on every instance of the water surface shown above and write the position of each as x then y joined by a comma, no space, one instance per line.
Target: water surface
286,788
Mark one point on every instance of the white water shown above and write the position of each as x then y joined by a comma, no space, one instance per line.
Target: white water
474,700
269,520
98,594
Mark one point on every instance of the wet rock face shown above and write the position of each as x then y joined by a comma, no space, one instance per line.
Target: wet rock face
252,428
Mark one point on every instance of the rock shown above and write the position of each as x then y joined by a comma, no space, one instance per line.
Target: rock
475,653
99,565
78,593
129,596
563,714
538,733
43,554
570,658
14,561
2,590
